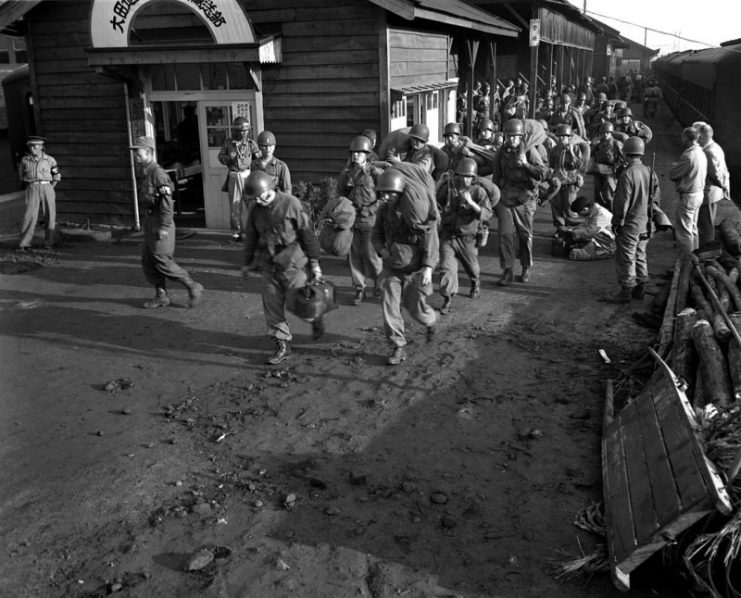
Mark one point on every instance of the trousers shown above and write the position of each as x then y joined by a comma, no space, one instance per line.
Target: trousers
630,258
364,262
39,195
452,251
275,285
688,210
516,232
401,288
234,191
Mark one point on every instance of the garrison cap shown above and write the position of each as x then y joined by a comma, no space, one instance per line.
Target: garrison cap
142,143
35,139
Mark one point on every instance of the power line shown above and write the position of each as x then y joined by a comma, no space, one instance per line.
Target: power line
675,35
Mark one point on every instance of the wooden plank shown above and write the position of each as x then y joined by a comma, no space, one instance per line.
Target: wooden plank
53,103
330,86
667,324
368,43
77,91
317,74
325,101
331,57
339,29
419,56
355,114
434,71
615,490
664,491
417,40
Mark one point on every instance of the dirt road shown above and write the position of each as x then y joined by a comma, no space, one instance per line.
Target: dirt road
457,473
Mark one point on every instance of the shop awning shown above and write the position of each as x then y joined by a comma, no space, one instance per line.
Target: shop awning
456,13
136,55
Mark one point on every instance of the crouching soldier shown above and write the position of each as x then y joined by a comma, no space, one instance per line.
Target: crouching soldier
158,261
517,173
407,241
593,239
279,233
567,163
464,208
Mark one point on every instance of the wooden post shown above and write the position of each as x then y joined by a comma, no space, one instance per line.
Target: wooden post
534,69
493,84
473,50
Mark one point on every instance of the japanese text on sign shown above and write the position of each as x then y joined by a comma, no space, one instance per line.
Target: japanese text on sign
534,32
209,8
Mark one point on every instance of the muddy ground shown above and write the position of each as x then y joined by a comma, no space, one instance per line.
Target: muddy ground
457,473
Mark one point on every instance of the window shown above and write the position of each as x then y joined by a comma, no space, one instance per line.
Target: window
4,57
207,76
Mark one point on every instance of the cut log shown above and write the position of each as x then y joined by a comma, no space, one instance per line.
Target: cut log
713,364
734,359
704,311
730,236
667,324
683,287
723,278
698,395
684,358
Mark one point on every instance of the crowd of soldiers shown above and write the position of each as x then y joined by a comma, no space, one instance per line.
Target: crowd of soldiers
417,207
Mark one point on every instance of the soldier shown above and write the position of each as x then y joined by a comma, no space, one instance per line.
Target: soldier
608,158
39,172
409,247
517,172
155,194
636,195
237,154
586,89
486,131
454,147
592,239
279,233
563,115
628,127
717,185
267,162
689,175
420,153
567,164
357,183
599,113
464,207
651,99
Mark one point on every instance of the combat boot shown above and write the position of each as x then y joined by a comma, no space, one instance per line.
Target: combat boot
508,277
475,290
359,296
317,328
447,305
160,299
282,352
397,356
623,296
639,291
195,292
525,274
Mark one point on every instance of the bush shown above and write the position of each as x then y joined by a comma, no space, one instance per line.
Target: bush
314,196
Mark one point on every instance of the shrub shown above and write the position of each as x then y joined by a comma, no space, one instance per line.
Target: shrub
314,196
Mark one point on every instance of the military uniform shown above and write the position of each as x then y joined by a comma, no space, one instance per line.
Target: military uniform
608,157
518,203
281,238
158,262
237,155
422,157
277,169
39,174
358,185
566,163
460,225
401,279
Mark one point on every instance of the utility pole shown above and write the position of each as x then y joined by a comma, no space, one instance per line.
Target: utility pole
585,7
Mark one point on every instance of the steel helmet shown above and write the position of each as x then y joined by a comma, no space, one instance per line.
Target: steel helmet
634,146
452,129
625,112
361,144
562,129
420,131
466,167
619,104
582,96
241,123
486,124
312,301
565,98
266,138
390,181
606,127
514,126
601,96
258,182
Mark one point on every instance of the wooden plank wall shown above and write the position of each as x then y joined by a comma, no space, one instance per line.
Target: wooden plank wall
83,115
326,91
417,58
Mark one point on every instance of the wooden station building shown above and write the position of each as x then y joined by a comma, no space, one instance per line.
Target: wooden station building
316,73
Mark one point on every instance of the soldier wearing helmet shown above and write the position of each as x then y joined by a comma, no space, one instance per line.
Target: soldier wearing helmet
586,90
405,236
280,237
607,154
486,130
357,183
419,152
517,171
237,154
637,194
158,254
567,162
563,115
464,209
626,126
455,146
267,162
599,113
652,96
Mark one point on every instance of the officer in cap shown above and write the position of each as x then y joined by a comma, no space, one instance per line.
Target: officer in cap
39,172
278,233
237,154
267,162
155,194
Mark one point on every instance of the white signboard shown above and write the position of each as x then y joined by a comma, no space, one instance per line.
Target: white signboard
110,20
534,32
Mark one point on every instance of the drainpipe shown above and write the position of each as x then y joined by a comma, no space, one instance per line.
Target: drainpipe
137,224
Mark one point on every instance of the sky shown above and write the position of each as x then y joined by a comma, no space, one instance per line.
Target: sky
708,21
